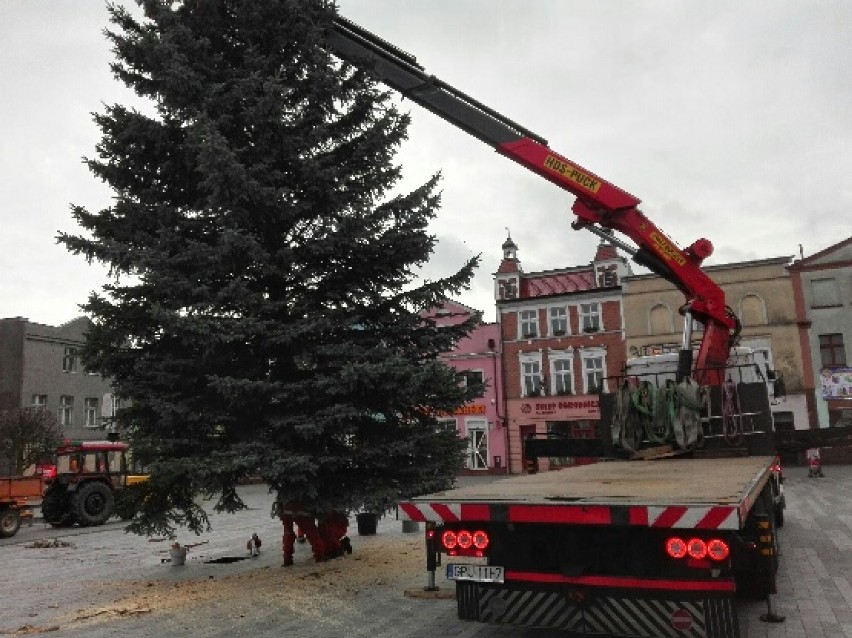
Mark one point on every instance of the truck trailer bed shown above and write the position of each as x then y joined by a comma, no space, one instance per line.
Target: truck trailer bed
703,493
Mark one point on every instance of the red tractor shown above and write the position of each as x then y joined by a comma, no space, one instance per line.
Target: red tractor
90,475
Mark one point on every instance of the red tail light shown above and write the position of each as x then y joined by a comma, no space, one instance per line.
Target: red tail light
465,539
470,543
718,549
480,539
697,548
449,539
675,547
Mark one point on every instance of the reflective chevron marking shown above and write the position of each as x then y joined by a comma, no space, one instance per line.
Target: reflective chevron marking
694,517
716,517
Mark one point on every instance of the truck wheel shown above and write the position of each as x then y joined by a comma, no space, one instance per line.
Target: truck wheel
56,508
10,522
92,504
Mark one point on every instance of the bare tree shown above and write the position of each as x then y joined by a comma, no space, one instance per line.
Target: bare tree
25,435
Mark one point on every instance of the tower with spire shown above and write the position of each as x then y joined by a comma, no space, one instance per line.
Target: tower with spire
507,279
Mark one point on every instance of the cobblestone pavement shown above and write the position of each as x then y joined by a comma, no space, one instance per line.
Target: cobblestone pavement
107,583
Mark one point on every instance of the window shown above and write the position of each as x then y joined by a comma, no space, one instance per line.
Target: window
594,366
529,323
91,412
66,410
39,401
558,321
474,378
660,320
824,293
562,378
752,311
531,378
508,288
831,350
69,361
590,317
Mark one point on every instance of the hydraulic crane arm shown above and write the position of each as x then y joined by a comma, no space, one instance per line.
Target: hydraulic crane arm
599,206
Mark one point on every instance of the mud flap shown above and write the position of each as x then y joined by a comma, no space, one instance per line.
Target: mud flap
623,614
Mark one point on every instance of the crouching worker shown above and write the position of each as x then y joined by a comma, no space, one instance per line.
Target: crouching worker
333,526
292,514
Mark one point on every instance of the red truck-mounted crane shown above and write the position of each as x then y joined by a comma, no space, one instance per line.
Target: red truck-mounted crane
600,206
634,548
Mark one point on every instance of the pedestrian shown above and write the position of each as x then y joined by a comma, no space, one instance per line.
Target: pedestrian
294,513
814,463
333,526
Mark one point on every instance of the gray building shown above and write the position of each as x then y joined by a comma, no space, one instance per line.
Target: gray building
822,284
40,366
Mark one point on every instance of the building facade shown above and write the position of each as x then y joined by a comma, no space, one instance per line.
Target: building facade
481,422
562,334
822,285
760,293
40,367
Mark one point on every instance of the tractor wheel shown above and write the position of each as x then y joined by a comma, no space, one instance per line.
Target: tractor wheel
56,508
10,522
92,504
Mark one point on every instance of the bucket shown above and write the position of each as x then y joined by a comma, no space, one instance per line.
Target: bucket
178,555
409,527
367,523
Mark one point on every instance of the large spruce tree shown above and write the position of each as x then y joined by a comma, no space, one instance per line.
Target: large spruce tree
262,314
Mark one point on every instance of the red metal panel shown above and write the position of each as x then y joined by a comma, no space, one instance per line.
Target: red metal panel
638,516
475,512
718,585
580,515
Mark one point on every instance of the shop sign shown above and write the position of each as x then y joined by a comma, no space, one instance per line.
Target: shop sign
556,408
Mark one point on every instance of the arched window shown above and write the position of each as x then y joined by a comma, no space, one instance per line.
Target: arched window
660,320
752,311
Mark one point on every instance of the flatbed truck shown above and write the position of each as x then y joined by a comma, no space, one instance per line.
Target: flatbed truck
652,548
638,548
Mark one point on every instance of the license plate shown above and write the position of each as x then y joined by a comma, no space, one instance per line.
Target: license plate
478,573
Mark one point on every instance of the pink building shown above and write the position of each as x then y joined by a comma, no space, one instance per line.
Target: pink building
481,421
562,337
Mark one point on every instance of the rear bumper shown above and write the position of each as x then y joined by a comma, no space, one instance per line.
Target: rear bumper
587,609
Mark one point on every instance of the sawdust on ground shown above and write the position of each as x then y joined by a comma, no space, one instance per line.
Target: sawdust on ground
308,589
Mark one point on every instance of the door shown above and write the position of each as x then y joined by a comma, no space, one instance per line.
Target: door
477,445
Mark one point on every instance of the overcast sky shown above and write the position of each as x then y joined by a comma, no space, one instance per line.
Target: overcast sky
730,120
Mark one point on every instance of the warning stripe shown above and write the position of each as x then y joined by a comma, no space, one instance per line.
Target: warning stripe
693,517
673,516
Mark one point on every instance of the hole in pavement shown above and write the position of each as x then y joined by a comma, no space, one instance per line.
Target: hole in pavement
227,559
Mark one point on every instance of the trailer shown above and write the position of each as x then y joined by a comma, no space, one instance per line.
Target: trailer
647,548
16,493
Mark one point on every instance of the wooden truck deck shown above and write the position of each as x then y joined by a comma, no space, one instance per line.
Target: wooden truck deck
721,481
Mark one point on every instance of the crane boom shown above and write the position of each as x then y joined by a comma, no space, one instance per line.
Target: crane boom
599,206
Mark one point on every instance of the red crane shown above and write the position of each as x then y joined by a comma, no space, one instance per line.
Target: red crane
600,206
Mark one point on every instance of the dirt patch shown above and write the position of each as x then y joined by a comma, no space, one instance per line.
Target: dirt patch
307,589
